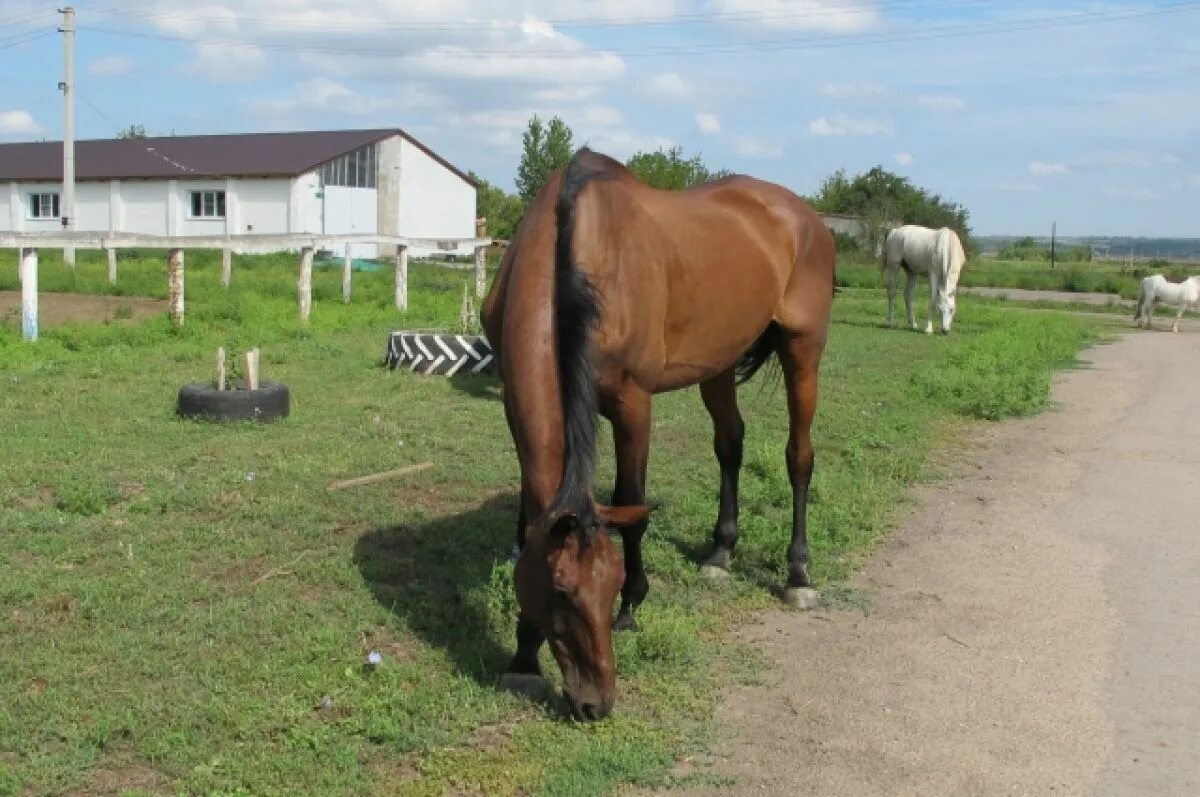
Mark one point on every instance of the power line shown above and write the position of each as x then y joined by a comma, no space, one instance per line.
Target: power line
25,37
761,45
762,15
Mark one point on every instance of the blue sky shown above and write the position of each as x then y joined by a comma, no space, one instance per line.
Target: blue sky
1083,113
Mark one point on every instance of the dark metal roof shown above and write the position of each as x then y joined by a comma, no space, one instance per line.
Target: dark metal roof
237,155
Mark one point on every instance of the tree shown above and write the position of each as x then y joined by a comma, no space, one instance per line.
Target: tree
880,198
502,211
544,148
133,131
670,170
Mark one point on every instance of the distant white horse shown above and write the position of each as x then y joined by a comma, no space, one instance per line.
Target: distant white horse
1157,289
937,254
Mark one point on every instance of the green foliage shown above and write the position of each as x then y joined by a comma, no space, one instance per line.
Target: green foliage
503,211
668,169
1029,249
880,197
133,131
544,148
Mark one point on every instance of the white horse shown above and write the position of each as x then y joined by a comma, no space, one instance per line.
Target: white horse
1157,289
936,253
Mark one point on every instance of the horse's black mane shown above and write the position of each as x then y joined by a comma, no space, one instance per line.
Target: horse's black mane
577,312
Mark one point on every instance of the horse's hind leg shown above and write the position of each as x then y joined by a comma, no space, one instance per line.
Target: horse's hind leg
720,399
890,276
909,288
800,354
629,412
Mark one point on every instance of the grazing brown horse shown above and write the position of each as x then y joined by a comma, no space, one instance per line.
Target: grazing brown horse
613,291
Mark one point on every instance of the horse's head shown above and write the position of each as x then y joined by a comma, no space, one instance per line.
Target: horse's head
567,580
946,306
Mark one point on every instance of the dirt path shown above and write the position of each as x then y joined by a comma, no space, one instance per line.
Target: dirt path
1025,295
1032,628
78,308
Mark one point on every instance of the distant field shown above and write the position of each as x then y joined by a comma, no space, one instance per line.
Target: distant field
187,608
1094,277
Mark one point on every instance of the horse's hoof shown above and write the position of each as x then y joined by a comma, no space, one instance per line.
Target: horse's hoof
625,622
714,573
803,598
527,685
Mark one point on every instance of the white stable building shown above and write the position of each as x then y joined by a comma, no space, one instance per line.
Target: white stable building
324,182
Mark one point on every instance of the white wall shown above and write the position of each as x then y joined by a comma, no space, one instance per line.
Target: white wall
434,201
143,207
263,205
352,210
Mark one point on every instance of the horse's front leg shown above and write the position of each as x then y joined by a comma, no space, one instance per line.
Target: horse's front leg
1178,316
934,286
629,412
720,399
910,288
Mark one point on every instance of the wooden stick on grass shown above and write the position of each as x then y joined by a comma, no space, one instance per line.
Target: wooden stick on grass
378,477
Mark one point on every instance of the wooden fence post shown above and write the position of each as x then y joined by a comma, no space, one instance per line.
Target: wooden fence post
347,267
112,266
401,277
480,271
304,287
175,287
226,267
29,294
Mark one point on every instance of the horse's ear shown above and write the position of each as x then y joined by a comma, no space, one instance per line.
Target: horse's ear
622,517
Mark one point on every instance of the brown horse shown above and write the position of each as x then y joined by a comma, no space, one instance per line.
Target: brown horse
613,291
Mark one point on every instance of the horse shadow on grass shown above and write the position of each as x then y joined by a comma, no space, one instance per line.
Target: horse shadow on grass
481,386
435,577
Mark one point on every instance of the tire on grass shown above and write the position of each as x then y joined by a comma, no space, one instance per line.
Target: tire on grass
270,402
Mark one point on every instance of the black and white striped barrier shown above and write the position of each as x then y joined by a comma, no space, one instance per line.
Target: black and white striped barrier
440,354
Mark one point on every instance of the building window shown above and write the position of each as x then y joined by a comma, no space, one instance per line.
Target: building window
43,206
208,204
355,169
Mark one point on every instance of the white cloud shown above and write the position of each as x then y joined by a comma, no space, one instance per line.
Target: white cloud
709,123
670,85
621,144
17,123
1135,194
942,102
1044,169
226,64
905,159
323,94
834,16
111,65
573,67
566,94
751,147
1168,159
1019,186
843,125
844,90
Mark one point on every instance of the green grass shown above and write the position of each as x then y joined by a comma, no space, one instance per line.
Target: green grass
187,608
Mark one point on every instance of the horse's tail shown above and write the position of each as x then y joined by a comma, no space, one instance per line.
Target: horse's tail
576,314
759,352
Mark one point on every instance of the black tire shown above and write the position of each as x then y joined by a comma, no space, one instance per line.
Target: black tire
440,354
270,402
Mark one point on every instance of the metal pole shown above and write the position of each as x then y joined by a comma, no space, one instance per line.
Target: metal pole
1053,231
67,211
29,294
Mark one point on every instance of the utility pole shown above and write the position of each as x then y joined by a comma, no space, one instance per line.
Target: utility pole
1053,230
67,211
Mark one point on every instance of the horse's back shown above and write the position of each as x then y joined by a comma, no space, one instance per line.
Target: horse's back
690,279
